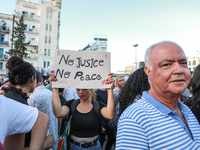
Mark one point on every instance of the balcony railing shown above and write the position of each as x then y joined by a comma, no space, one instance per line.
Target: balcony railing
28,16
6,16
31,55
33,30
2,57
33,43
3,72
4,42
4,29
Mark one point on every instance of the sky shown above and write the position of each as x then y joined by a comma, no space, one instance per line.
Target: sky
127,22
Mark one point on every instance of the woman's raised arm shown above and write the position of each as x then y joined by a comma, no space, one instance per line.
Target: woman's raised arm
109,111
58,110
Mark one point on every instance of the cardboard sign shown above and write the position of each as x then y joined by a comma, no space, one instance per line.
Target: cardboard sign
81,69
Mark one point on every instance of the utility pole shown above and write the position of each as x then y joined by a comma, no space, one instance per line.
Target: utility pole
136,45
13,28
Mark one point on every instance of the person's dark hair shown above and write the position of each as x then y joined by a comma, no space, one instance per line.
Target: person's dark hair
20,71
38,76
189,84
195,84
135,85
5,89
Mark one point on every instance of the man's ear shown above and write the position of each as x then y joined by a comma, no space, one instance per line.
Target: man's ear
32,79
147,71
41,79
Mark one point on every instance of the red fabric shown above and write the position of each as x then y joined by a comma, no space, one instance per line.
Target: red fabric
60,144
1,147
181,98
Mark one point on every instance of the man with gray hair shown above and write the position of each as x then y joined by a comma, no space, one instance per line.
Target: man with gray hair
159,120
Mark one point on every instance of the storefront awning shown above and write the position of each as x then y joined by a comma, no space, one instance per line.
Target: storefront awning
45,74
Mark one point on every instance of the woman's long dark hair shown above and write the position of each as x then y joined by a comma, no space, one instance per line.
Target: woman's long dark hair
195,84
134,86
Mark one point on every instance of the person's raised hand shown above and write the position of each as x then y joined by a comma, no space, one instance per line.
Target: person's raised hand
52,77
110,80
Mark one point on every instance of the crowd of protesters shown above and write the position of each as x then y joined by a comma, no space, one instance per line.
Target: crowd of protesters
146,111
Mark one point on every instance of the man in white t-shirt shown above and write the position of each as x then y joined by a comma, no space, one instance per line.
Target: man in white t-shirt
17,118
70,93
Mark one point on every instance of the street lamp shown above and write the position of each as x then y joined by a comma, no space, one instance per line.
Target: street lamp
13,27
135,45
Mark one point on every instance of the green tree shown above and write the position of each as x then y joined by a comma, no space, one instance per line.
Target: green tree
18,38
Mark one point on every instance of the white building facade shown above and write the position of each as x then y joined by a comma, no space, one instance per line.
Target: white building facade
193,62
99,44
6,22
42,29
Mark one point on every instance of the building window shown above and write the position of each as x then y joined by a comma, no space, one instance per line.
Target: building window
48,52
194,62
31,64
59,15
30,27
48,64
25,14
31,39
45,39
50,15
194,68
34,28
3,25
45,52
1,52
31,15
25,26
49,39
47,15
189,63
46,27
50,27
44,64
189,68
1,66
2,37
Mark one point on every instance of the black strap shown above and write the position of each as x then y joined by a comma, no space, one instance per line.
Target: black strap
73,105
96,106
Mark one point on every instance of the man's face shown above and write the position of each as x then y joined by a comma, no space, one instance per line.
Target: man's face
2,92
120,82
169,74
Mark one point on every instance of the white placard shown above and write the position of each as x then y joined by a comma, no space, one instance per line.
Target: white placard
81,69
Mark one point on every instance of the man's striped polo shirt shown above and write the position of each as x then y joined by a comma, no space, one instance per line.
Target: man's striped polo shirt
148,124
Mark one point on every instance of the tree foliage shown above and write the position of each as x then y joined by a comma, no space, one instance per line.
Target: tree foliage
18,38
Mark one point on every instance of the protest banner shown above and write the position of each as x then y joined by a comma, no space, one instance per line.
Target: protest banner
81,69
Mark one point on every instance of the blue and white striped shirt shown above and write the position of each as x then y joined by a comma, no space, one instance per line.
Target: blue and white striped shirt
148,124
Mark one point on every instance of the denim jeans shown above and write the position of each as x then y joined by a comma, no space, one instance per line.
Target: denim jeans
75,147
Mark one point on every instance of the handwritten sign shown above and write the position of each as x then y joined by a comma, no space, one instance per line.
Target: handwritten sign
81,69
